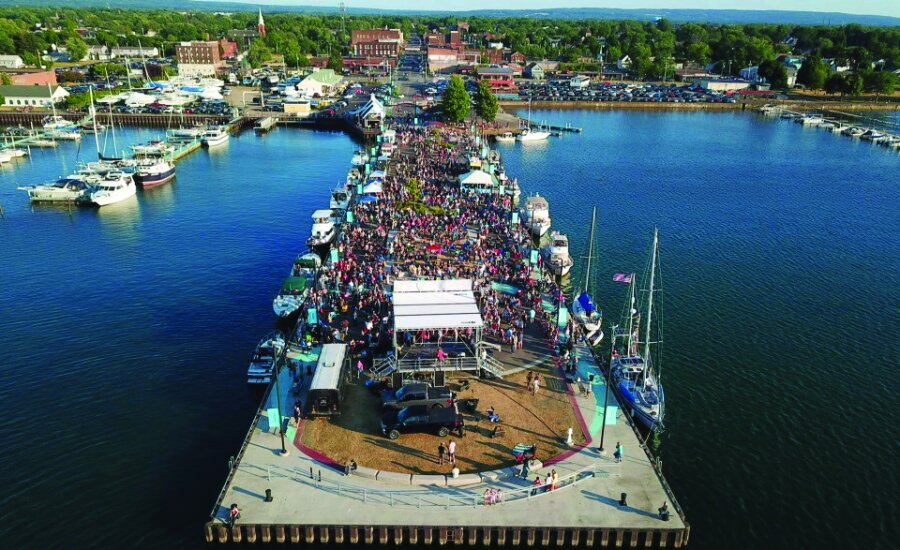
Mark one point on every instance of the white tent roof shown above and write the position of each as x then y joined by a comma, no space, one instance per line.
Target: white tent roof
378,174
322,214
421,305
477,177
373,108
372,188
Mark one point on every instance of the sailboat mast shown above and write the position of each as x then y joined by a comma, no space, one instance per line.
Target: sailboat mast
587,275
94,121
650,295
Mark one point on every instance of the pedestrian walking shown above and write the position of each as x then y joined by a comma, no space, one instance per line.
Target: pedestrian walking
536,484
619,453
451,451
555,479
359,369
528,380
548,482
298,410
525,468
536,384
441,451
234,514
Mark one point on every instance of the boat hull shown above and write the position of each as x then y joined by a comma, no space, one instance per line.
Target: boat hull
153,180
114,197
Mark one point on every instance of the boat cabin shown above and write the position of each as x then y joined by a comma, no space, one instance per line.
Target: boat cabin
326,390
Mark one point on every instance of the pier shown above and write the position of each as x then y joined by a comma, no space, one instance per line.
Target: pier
461,249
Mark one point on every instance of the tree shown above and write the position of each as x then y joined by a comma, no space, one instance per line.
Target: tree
5,80
812,73
774,72
335,63
486,104
456,102
853,85
258,54
880,82
835,84
76,47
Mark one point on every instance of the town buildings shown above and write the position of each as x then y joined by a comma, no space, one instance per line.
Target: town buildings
198,58
11,62
376,42
32,96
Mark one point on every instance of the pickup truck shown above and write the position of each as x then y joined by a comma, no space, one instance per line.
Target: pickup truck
413,395
422,419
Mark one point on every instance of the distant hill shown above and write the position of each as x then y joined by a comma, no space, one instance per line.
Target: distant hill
710,16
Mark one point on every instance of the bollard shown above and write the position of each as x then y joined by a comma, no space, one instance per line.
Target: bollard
269,495
623,501
569,440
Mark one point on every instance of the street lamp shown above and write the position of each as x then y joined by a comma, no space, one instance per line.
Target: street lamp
281,357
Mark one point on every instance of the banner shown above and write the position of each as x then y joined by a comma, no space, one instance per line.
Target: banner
312,318
334,256
349,216
622,278
515,217
534,256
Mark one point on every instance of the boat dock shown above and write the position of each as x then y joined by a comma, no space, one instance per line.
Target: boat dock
289,489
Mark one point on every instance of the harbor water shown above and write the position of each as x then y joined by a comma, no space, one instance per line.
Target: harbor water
127,329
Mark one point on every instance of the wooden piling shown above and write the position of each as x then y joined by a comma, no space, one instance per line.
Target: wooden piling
486,536
208,532
663,539
398,535
279,534
530,537
442,536
369,534
295,534
545,537
413,535
604,538
339,535
223,534
620,538
648,539
429,535
251,534
516,537
323,535
560,537
310,534
634,539
679,537
236,534
501,536
266,534
473,536
383,535
354,535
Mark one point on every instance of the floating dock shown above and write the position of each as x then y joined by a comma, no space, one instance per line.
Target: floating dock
305,496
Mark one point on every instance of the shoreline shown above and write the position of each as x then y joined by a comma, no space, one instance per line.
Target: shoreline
738,106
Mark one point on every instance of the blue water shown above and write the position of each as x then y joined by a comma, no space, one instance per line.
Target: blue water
126,329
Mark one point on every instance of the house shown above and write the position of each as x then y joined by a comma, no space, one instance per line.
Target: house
548,65
534,70
435,39
790,60
31,77
11,62
320,83
440,59
517,57
515,68
376,42
495,45
371,115
750,73
32,96
98,53
792,76
368,65
132,51
690,75
497,77
836,65
455,39
624,62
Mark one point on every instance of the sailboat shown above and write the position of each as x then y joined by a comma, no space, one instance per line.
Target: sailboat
111,187
532,135
634,372
583,308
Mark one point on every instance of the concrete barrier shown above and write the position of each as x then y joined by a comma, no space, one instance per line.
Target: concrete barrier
368,473
394,477
463,480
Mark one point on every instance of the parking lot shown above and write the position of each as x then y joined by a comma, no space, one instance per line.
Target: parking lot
562,90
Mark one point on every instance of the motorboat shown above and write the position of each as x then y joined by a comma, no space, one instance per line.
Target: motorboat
505,137
583,309
533,135
65,135
324,229
56,122
151,149
296,287
69,189
340,199
110,188
873,136
635,373
853,132
810,120
193,132
360,158
150,173
556,255
536,215
265,357
215,137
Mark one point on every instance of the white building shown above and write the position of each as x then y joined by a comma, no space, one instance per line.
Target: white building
11,62
320,83
624,62
133,51
724,84
98,53
32,96
580,81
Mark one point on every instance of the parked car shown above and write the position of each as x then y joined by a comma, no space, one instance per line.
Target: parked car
422,419
417,395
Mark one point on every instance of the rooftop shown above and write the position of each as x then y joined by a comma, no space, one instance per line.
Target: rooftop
421,305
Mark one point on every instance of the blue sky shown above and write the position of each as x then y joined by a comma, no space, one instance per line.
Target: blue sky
870,7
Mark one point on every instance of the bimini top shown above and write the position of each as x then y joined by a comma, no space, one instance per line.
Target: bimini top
319,214
426,305
477,177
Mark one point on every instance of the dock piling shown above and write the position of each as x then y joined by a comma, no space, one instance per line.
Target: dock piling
295,535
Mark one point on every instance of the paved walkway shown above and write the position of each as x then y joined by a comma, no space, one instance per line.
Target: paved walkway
588,496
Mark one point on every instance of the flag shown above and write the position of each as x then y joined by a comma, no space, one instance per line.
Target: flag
622,278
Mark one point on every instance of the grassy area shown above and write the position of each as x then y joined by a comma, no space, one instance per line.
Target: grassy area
541,420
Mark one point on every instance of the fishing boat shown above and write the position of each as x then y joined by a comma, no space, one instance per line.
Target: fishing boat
266,355
296,287
324,229
150,172
635,373
62,190
583,309
536,215
215,137
340,199
506,137
556,255
110,188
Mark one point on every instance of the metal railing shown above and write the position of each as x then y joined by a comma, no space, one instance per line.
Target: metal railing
433,364
447,497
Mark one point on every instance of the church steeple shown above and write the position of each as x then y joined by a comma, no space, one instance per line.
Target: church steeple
261,26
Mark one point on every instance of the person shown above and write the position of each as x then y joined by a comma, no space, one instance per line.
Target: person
350,467
298,410
234,514
492,415
528,380
664,512
441,451
536,484
451,451
619,453
536,384
526,468
548,482
359,369
555,477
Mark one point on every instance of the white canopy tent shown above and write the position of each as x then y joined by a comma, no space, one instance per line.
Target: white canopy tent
373,188
478,180
435,305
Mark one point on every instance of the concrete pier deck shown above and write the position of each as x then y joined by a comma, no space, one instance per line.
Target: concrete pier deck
585,506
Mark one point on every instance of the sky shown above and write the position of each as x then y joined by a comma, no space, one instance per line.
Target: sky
868,7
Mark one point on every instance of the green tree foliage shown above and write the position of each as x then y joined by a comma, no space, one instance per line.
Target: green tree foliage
813,73
853,85
5,80
835,84
76,47
456,101
111,69
70,76
335,64
774,72
879,82
258,54
486,104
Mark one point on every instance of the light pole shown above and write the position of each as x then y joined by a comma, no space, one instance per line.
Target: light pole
280,357
606,394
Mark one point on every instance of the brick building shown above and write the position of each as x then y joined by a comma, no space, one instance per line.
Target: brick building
198,58
376,42
31,77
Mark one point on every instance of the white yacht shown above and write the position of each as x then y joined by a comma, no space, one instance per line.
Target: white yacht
556,256
536,215
533,135
296,287
63,134
360,158
324,229
262,365
63,190
153,172
110,188
151,149
55,122
340,199
810,120
215,136
583,308
873,136
505,137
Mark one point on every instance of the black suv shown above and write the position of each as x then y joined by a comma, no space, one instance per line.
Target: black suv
421,419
